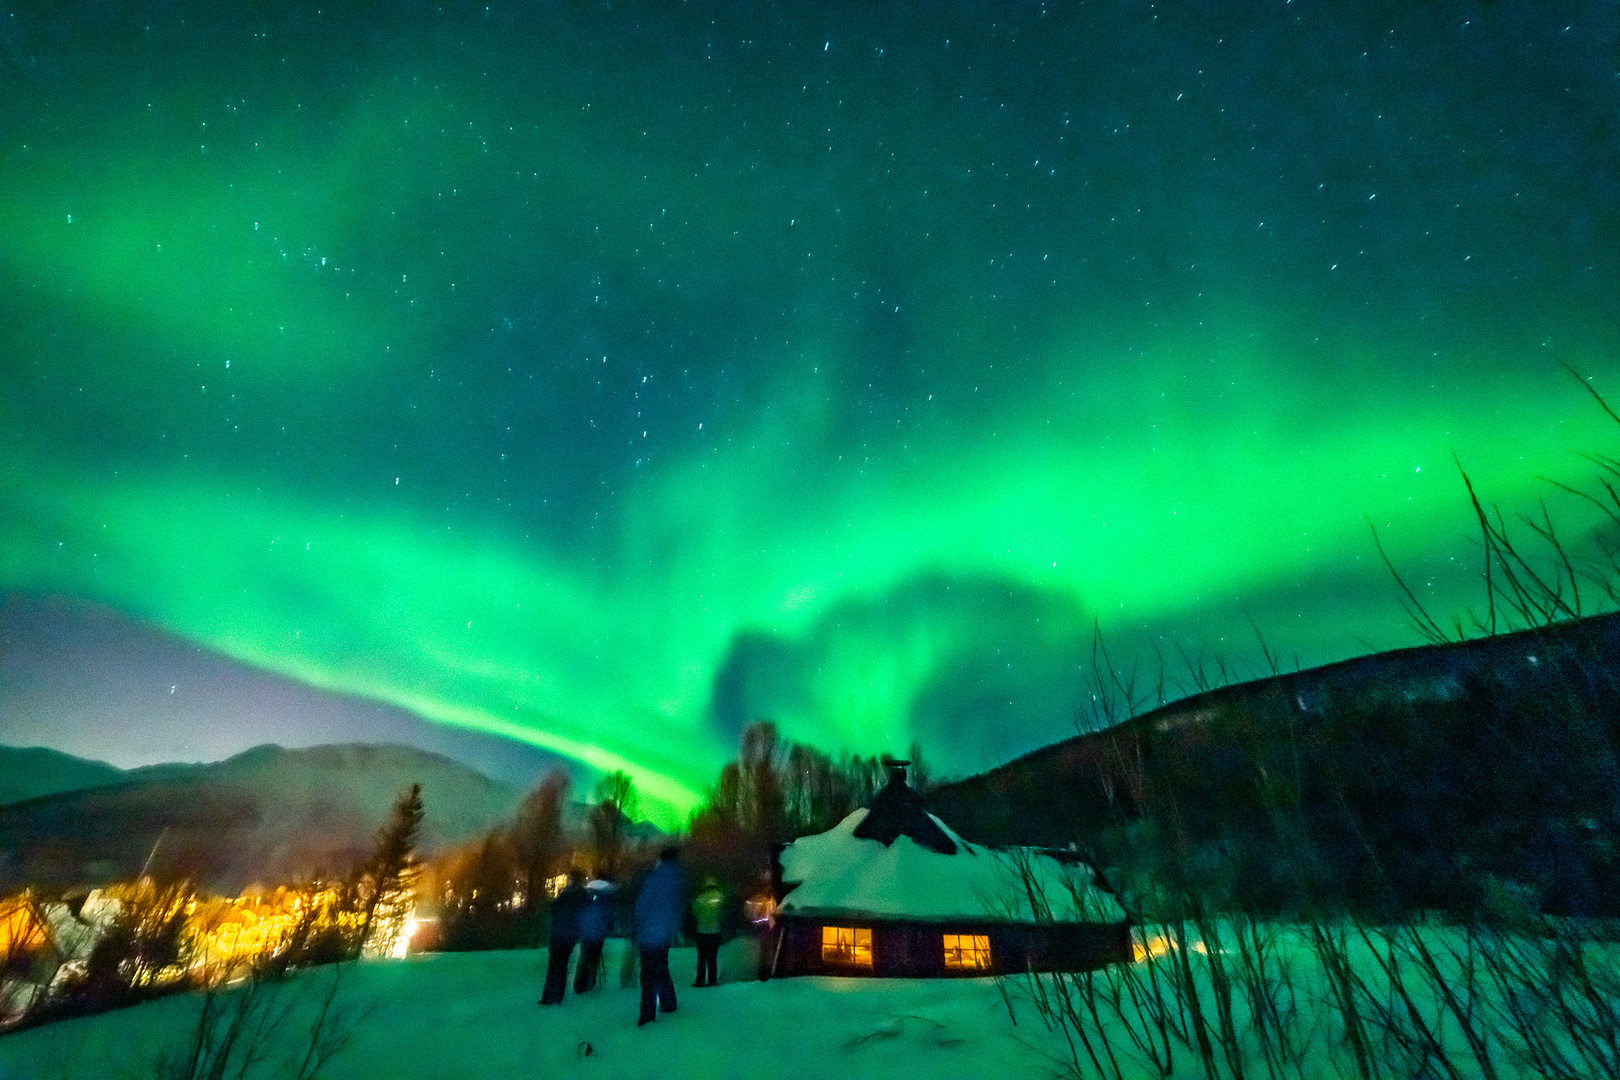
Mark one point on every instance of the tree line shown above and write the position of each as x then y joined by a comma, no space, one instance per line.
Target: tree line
493,892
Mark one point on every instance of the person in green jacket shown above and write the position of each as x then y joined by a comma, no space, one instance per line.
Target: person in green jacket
706,912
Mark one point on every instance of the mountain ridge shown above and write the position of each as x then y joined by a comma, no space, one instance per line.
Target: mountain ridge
94,682
29,772
267,814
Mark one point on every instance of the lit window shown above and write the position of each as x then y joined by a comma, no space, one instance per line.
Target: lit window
851,945
967,952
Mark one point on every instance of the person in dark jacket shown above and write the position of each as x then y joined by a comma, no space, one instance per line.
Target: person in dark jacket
660,908
706,915
595,920
565,912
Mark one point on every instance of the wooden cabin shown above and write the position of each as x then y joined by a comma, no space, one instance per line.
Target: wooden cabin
892,891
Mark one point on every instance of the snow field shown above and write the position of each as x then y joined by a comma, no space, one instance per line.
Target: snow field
472,1016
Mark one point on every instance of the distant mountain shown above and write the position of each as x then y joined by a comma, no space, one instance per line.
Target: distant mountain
91,681
269,814
1419,777
31,772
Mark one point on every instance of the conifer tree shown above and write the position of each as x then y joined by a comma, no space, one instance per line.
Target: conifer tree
388,877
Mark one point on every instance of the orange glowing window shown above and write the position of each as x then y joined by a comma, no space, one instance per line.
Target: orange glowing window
849,945
967,952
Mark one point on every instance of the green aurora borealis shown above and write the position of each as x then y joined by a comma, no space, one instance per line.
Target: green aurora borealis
608,376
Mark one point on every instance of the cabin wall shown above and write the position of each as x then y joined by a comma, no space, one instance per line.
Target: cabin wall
917,949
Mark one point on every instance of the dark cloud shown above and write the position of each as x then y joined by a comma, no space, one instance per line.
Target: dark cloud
975,667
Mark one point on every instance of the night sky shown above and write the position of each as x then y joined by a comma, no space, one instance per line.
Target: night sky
609,375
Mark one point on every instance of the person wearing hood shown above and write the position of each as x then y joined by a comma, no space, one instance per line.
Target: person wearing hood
707,909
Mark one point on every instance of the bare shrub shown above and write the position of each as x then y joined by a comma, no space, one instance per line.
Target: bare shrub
261,1025
140,955
324,929
1556,1000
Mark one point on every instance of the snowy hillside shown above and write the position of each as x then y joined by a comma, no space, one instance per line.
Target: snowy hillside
268,814
473,1015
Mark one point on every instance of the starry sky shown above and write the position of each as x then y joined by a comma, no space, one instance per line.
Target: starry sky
604,376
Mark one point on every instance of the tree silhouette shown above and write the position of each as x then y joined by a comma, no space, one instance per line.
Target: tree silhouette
536,835
616,801
388,877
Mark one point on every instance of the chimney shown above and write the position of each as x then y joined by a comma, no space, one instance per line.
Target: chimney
897,811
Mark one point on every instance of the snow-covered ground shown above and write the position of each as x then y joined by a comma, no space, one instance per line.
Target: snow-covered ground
474,1015
1489,1005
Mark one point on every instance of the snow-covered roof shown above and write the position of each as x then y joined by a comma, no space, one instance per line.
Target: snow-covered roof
838,874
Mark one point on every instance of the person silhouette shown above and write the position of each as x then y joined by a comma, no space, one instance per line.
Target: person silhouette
660,906
565,913
595,920
707,910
